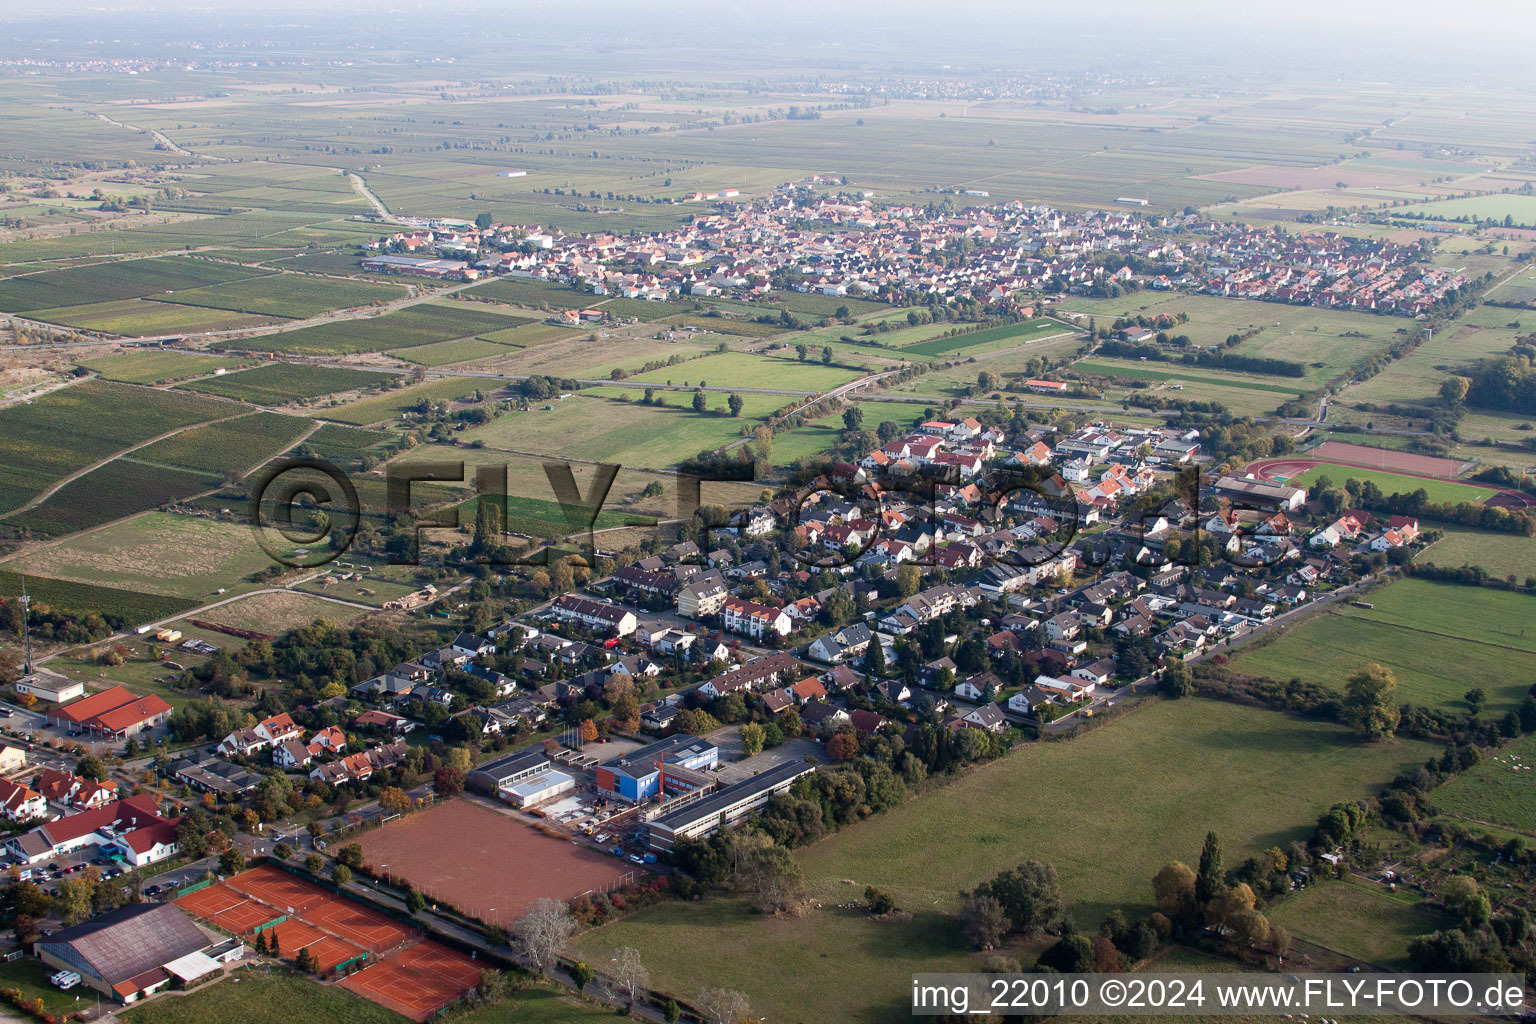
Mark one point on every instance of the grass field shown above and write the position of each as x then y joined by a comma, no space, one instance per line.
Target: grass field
1500,789
391,404
159,553
69,429
1393,483
613,431
1368,924
1521,209
238,445
745,370
262,996
1107,809
287,295
158,367
1502,554
1155,371
992,337
1415,628
280,383
278,613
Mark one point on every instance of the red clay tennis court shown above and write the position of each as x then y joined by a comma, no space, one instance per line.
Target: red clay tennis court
294,935
277,888
356,923
417,982
211,900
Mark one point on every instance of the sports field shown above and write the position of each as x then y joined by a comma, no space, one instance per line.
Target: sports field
1415,628
1301,471
1107,809
418,981
476,878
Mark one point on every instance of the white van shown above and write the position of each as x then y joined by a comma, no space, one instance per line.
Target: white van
66,980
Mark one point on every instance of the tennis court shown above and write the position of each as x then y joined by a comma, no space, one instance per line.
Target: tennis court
294,935
277,888
211,900
417,982
352,921
245,918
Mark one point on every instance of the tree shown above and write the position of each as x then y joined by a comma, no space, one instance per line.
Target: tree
752,736
261,943
588,730
1211,878
1072,954
282,851
843,746
341,874
734,402
1475,698
629,974
483,221
581,976
447,781
983,921
351,855
874,658
1176,681
1249,927
722,1006
415,902
1453,390
74,900
801,351
541,934
700,402
1368,705
879,901
231,862
90,767
908,579
314,863
274,946
1174,888
394,800
672,1012
826,356
853,418
1029,895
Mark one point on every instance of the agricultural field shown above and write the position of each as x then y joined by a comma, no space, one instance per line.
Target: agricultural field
294,296
131,604
159,367
1366,923
229,446
120,488
67,430
390,404
746,370
521,291
1106,832
1500,789
1501,554
124,279
344,444
1415,628
159,554
415,325
446,353
281,383
1393,483
145,318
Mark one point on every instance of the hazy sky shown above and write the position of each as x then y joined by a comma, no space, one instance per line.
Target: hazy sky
1465,34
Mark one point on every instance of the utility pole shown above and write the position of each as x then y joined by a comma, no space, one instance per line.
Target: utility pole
26,634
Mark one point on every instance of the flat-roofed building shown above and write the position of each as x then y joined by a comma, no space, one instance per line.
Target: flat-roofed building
701,816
